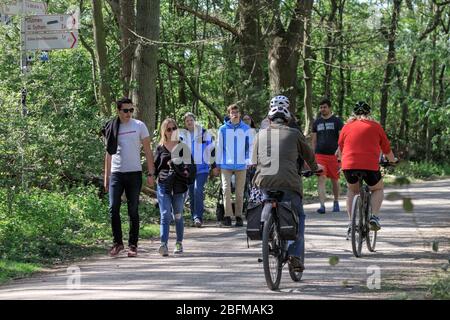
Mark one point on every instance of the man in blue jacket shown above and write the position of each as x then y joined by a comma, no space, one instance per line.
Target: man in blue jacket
234,157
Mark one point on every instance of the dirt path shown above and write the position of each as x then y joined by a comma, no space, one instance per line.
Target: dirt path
218,265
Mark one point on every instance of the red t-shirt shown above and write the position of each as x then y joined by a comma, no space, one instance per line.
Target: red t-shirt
361,142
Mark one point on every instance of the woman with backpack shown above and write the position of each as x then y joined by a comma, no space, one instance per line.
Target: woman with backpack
175,171
199,141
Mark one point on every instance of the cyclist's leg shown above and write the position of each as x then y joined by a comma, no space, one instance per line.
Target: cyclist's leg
297,248
352,190
377,196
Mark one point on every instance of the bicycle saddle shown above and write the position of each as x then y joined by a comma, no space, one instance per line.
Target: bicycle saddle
275,194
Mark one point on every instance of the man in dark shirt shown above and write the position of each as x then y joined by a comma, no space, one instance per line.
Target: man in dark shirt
325,135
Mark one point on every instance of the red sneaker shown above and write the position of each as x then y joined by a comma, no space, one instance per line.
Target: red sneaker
115,250
132,251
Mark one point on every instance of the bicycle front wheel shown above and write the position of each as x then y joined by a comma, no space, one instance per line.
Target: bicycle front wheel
272,254
357,226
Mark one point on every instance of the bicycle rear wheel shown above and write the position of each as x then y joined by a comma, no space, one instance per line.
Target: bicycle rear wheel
357,226
371,235
272,254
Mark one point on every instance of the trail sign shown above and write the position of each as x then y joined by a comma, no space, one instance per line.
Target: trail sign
50,41
55,22
30,7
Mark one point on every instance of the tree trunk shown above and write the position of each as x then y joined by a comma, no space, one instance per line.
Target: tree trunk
307,74
101,57
329,50
251,56
127,25
390,62
144,71
434,95
341,95
284,55
404,123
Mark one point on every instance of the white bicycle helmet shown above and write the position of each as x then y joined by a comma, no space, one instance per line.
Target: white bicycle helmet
279,112
282,101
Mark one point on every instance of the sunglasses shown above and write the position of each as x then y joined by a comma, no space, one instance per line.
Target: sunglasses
127,110
170,129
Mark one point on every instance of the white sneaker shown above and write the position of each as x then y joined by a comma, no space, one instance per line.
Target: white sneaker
163,250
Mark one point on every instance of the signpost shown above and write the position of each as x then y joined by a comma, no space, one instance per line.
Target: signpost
38,31
48,23
29,7
5,19
50,41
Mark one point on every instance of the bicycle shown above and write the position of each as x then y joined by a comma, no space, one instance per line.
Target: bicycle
361,214
275,249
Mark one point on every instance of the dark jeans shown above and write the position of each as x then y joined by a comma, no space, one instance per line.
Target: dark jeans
131,183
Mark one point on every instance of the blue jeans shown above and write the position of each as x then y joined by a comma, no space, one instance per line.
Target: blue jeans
196,196
296,247
170,206
131,183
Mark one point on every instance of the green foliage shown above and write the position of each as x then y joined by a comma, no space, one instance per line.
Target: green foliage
45,225
440,287
12,269
422,170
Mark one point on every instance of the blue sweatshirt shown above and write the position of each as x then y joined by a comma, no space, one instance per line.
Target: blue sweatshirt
234,146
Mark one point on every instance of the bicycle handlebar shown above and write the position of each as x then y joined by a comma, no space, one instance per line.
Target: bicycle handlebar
386,164
309,173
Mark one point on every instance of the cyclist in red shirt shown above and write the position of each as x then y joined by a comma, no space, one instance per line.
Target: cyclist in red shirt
361,141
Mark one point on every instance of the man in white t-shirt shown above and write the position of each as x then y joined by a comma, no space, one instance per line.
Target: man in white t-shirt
123,171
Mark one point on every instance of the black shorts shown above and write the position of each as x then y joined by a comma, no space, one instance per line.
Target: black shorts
371,178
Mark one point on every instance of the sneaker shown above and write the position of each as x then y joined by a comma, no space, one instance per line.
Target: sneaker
132,251
163,250
197,222
349,231
374,223
226,222
239,222
321,210
115,250
296,264
178,248
336,206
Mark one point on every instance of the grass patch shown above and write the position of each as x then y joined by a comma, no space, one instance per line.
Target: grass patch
440,287
11,270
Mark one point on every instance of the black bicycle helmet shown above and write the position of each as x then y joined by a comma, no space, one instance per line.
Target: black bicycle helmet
361,108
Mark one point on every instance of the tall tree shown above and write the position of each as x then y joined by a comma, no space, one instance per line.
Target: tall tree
390,63
329,50
145,67
285,44
101,56
307,73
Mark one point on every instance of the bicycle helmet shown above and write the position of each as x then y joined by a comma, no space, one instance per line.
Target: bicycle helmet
282,101
279,112
361,108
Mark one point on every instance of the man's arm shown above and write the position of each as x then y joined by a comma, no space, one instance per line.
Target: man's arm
107,171
307,154
338,150
150,161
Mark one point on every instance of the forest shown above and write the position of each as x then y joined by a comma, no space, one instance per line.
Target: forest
175,56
